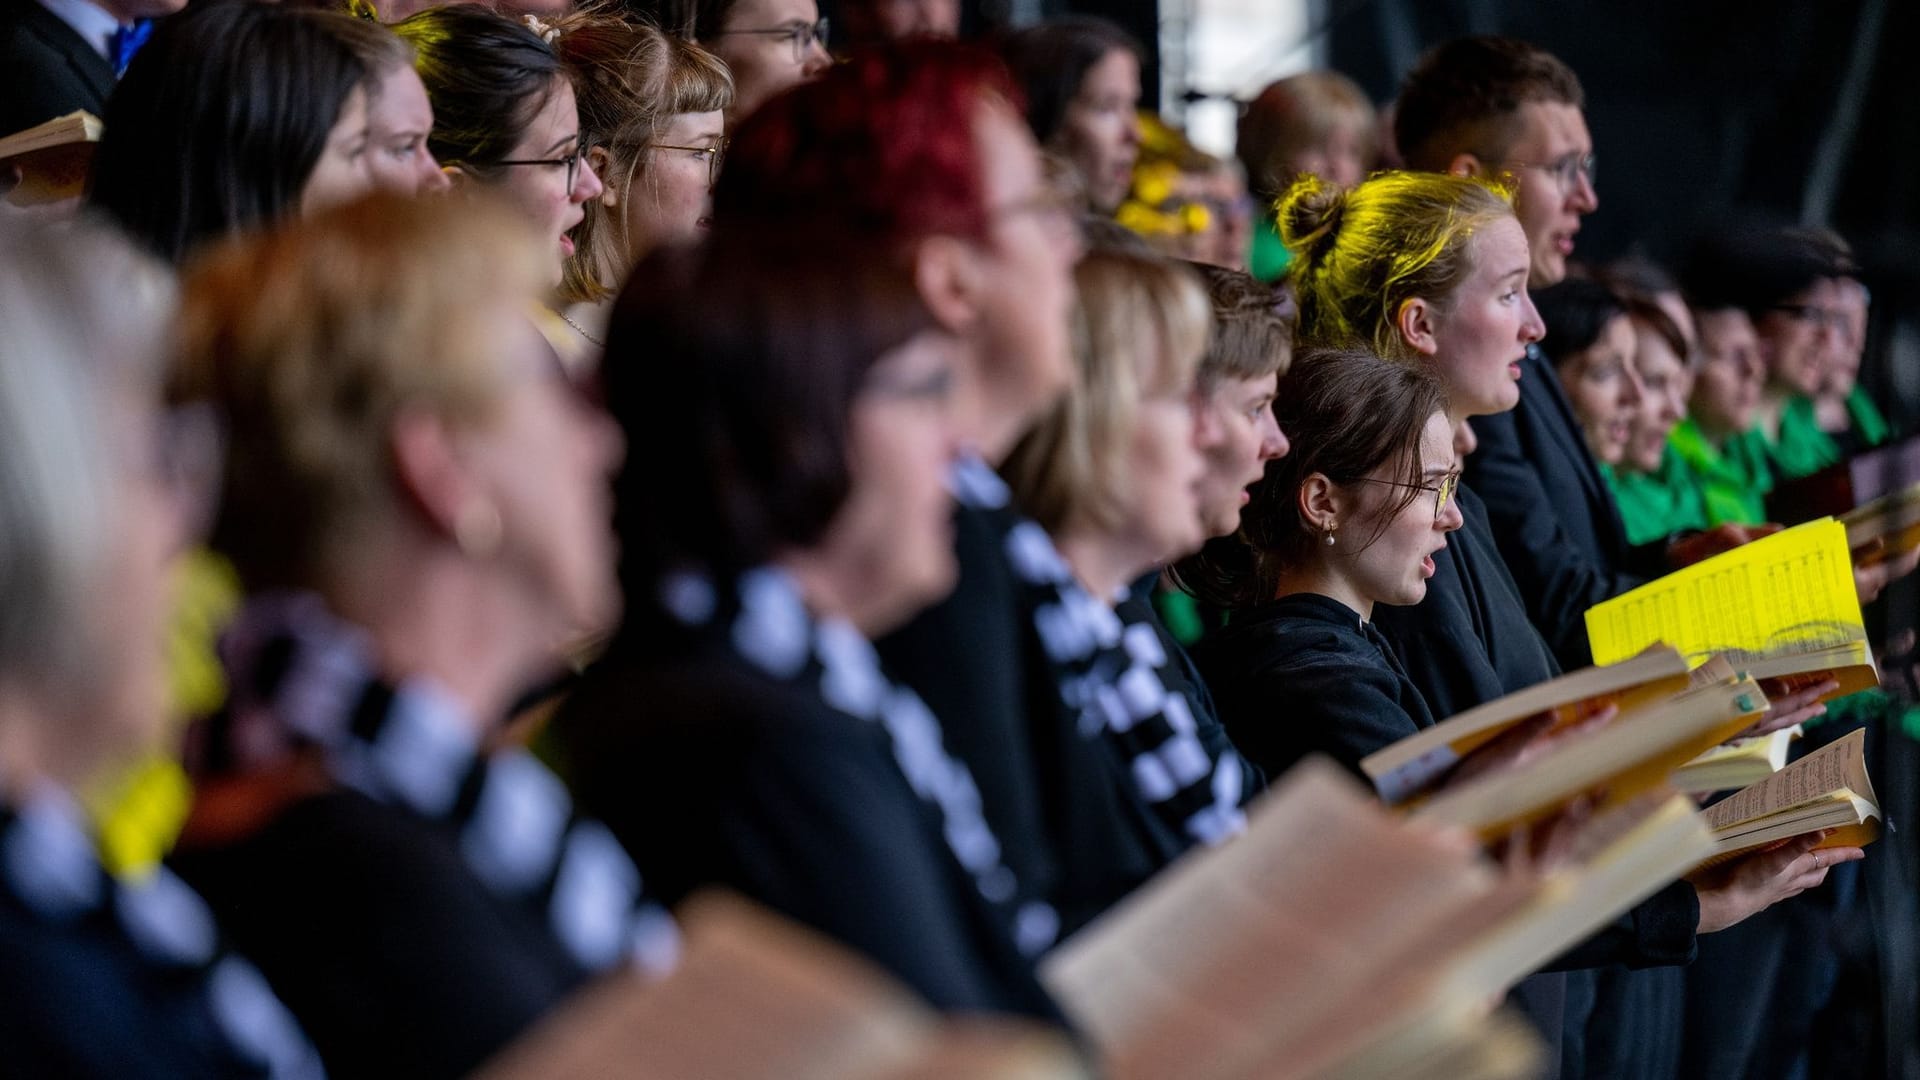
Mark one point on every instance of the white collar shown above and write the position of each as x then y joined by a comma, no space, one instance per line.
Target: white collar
91,21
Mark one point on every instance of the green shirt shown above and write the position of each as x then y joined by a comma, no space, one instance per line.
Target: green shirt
1802,448
1269,258
1866,418
1658,504
1733,479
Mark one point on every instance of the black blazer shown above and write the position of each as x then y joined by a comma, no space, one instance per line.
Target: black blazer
1552,514
46,68
712,772
1305,675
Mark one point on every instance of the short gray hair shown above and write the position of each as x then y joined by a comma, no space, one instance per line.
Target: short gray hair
80,311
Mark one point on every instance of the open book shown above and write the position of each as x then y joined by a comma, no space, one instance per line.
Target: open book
53,158
1782,607
1736,764
757,996
1893,520
1415,762
1827,789
1336,939
1632,755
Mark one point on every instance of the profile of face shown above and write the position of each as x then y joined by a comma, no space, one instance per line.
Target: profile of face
1340,159
1024,276
1480,334
1726,389
1384,544
1800,338
1666,382
1233,211
896,528
399,120
668,197
1552,189
1843,368
1603,386
1100,134
550,193
544,462
769,46
1165,474
1237,436
151,491
342,173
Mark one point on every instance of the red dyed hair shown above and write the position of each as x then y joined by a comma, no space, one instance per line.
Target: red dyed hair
881,147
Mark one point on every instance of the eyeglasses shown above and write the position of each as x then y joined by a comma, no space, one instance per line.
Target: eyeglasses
1443,490
1566,172
1050,201
714,154
571,161
800,34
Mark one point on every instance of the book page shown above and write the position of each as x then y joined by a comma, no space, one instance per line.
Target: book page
1415,762
1230,950
1786,593
755,996
1839,766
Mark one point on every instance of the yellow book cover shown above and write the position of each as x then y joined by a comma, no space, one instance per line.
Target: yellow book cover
1765,606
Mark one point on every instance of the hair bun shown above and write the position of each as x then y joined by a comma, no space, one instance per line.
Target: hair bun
1309,215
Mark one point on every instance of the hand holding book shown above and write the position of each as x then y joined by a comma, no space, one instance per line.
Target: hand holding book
1733,891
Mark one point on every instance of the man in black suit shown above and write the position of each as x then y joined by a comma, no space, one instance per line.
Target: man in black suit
59,55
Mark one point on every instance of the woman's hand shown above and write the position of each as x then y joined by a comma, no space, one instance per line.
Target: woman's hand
1786,710
1737,890
1523,744
1871,575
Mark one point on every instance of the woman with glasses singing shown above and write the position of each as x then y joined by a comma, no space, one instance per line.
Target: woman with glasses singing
1349,520
769,45
656,106
505,116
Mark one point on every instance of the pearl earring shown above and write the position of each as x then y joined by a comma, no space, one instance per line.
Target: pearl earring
1330,528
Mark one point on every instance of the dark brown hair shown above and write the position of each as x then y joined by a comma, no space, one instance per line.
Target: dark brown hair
1463,96
1251,335
487,76
732,367
1050,61
1347,413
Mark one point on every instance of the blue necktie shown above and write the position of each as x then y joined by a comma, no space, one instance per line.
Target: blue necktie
126,41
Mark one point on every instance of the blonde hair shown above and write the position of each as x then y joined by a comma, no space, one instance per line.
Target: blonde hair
1297,114
1360,254
1140,325
311,339
630,80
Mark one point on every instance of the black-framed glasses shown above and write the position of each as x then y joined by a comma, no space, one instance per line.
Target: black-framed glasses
571,161
714,155
801,35
1443,491
1566,172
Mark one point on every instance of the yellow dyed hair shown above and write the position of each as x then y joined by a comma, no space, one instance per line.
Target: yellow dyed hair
1140,326
1360,254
